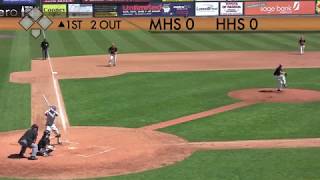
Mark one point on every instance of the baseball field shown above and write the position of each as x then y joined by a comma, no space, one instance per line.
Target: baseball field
176,106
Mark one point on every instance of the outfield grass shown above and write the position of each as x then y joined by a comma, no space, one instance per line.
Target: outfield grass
277,164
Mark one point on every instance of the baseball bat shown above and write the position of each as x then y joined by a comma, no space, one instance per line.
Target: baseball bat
46,100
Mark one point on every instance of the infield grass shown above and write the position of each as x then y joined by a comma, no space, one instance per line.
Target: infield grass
275,164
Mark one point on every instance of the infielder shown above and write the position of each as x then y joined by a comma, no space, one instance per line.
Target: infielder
51,115
302,44
28,140
113,51
280,75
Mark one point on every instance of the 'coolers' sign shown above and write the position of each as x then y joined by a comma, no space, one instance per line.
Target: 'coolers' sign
279,7
55,10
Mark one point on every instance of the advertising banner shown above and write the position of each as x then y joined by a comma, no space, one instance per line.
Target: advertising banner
113,1
207,9
178,9
19,2
102,10
10,11
58,1
279,7
318,7
231,8
55,10
158,9
177,0
80,10
141,10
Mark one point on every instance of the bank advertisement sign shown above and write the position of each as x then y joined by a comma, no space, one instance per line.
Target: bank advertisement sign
231,8
158,9
279,7
55,10
207,9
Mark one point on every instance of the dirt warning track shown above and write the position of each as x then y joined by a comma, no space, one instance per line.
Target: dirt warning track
89,152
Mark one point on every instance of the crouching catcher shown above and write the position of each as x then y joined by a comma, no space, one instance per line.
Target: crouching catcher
44,147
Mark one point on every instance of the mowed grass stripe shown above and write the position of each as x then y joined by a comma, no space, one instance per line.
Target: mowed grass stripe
151,40
71,44
57,45
121,41
87,43
211,40
279,42
173,38
99,39
141,44
191,44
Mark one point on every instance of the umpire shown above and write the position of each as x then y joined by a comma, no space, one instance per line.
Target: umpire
44,47
28,140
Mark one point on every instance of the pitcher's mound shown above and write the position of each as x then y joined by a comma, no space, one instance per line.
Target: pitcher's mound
272,95
94,152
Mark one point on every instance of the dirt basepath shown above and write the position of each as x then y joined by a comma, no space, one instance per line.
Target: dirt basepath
110,151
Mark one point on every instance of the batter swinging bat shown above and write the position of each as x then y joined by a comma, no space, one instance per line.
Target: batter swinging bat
46,100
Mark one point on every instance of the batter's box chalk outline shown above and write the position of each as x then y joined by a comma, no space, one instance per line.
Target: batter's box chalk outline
98,153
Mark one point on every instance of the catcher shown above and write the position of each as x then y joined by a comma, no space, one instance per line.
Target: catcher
44,147
51,115
280,75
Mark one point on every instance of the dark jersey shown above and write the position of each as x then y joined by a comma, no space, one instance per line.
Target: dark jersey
113,50
277,72
302,42
44,45
30,136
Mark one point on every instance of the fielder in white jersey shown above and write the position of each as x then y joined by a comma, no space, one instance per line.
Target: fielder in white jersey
51,115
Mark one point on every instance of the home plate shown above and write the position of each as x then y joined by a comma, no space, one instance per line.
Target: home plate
72,147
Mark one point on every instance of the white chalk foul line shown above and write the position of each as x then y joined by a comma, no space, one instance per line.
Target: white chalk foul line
63,117
98,153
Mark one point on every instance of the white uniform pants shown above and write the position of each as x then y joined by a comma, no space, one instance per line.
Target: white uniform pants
53,128
281,81
302,49
113,59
